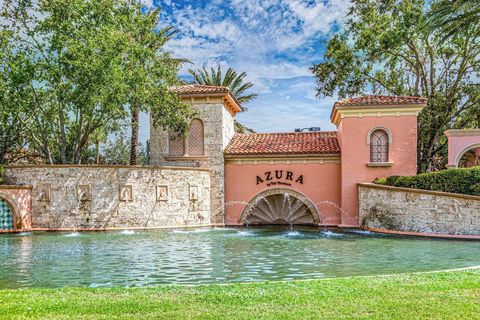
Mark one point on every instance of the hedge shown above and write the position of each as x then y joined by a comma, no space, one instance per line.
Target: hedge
464,181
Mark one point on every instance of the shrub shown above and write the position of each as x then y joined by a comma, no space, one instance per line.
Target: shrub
380,181
464,181
1,174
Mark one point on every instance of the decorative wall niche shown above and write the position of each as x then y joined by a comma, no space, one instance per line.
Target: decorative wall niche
162,193
193,193
126,193
44,193
84,193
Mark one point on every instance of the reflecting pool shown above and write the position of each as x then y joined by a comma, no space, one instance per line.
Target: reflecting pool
196,256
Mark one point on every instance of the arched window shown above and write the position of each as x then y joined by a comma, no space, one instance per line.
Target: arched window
379,145
470,158
195,138
176,144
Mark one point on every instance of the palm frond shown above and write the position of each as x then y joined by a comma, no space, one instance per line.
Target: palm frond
453,17
230,79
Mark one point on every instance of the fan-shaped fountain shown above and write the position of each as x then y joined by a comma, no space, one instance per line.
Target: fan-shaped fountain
280,207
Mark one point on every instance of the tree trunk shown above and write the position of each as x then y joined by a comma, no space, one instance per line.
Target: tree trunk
97,151
63,138
134,139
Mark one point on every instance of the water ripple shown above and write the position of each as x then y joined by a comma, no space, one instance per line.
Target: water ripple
205,255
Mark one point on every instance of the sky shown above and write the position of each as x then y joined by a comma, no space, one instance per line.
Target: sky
273,41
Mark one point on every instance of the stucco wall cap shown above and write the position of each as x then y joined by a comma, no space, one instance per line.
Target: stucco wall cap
412,190
88,166
15,187
462,132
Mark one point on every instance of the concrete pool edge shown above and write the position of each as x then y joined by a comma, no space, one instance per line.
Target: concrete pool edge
360,228
422,234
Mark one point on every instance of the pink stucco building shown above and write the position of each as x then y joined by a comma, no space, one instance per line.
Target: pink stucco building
312,177
463,147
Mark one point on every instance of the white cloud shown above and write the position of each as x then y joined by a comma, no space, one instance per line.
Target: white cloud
271,40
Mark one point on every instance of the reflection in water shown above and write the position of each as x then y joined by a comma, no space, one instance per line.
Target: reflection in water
193,256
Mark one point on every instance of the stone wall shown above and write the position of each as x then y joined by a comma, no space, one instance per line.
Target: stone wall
218,131
115,196
414,210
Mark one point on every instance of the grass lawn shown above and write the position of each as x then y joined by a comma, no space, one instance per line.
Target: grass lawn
443,295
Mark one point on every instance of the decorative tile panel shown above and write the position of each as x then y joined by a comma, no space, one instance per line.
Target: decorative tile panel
43,192
126,193
6,216
83,193
162,193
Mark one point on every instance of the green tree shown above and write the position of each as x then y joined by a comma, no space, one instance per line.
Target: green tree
240,128
454,16
231,79
384,50
150,73
117,150
12,133
83,66
65,58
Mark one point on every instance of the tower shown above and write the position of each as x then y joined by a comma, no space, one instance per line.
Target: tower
208,135
378,138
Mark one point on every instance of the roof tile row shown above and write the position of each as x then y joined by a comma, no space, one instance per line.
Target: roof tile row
321,142
380,100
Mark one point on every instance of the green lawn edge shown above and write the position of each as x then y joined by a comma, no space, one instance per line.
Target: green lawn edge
438,295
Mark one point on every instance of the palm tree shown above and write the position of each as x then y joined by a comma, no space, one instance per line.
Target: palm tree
454,17
232,80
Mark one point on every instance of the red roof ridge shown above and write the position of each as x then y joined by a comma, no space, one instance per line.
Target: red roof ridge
313,142
381,100
291,132
200,88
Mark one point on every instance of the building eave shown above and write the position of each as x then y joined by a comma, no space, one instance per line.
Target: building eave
339,112
231,103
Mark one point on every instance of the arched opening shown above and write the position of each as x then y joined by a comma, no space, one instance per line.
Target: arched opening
379,145
469,158
280,207
7,219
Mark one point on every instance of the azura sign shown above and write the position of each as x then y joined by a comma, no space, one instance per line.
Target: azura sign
279,177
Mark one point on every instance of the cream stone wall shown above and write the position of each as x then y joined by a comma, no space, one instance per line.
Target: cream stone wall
158,145
98,196
416,210
218,131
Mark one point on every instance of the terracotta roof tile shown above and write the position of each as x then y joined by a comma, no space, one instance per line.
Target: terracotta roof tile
320,142
198,88
380,100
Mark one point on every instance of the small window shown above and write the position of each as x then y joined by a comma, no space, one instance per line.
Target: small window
195,138
176,144
379,146
191,145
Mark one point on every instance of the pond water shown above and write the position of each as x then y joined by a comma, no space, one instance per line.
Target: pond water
197,256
